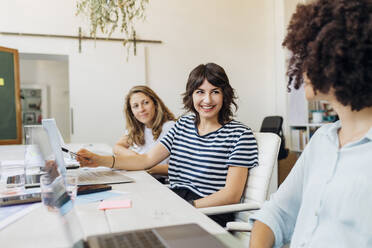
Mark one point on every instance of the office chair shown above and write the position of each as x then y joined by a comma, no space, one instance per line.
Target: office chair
262,182
274,124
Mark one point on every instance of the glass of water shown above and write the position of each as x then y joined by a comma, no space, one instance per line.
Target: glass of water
47,192
71,181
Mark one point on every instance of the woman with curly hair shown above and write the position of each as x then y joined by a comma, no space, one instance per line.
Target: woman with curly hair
210,153
147,121
325,200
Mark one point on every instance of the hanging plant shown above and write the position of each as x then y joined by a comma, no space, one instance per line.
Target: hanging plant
108,15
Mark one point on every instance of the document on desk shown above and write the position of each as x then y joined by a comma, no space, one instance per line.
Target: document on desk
100,176
10,214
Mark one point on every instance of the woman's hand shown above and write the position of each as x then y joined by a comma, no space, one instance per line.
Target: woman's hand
87,158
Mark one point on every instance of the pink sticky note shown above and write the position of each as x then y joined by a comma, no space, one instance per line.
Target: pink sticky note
115,204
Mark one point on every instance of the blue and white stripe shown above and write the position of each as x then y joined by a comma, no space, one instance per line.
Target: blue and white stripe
200,163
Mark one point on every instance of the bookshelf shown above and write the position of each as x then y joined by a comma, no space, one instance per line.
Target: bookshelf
305,118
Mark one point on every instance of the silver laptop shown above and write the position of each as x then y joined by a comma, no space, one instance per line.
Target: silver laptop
86,177
176,236
48,138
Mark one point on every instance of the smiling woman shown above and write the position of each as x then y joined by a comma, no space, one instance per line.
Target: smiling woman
210,153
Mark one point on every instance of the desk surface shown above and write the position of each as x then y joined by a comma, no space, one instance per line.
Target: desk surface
153,205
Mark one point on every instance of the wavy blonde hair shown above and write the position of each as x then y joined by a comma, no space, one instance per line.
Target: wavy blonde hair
136,134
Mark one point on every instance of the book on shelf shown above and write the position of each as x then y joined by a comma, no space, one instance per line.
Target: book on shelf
299,139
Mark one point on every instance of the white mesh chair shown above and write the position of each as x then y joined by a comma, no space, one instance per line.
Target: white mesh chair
262,182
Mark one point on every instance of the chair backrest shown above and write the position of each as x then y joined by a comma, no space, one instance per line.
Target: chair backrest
274,124
262,181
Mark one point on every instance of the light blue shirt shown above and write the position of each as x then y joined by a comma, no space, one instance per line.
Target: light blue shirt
326,200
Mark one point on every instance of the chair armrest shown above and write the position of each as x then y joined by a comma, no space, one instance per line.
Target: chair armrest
239,207
238,226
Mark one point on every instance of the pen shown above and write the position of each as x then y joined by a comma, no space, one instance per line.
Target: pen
73,153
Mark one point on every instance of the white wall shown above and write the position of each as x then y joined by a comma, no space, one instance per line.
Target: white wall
239,35
54,75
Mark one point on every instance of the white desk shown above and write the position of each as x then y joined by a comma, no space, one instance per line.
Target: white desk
153,205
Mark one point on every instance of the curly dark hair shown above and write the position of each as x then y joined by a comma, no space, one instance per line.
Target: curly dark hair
215,75
331,41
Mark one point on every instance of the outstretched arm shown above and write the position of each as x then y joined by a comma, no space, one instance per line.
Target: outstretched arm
124,161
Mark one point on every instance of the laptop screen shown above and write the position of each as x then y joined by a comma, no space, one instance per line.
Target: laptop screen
54,138
54,194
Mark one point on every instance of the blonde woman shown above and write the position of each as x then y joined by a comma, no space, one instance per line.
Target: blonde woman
147,121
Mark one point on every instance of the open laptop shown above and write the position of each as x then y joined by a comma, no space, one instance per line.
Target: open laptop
86,176
49,134
175,236
32,132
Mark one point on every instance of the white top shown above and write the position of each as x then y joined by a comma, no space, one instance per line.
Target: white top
150,142
326,199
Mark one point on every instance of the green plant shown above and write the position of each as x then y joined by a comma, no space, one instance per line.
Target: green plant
107,15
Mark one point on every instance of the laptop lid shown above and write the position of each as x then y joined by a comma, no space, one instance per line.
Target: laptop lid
175,236
90,177
54,193
55,141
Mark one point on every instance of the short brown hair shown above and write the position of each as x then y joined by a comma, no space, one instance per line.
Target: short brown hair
215,75
331,41
136,128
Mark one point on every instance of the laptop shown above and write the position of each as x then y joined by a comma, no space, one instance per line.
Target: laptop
86,176
33,132
49,134
175,236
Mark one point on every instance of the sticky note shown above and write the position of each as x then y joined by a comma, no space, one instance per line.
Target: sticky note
2,82
115,204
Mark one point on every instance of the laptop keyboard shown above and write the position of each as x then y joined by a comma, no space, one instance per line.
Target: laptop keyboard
137,239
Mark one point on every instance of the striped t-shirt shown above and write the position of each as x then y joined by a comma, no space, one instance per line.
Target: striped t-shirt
200,163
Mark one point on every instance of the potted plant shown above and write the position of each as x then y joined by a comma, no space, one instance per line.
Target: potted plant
108,15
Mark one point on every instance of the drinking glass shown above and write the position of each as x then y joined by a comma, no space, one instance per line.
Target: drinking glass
47,196
71,181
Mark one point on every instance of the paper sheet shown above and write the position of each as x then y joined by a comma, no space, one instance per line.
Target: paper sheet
10,214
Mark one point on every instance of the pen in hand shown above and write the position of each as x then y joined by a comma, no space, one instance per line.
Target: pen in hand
73,153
